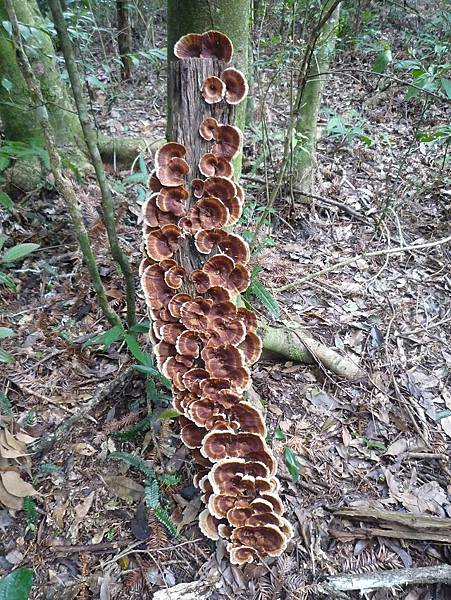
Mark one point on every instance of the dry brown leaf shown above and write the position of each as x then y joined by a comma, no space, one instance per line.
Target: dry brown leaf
81,512
125,488
59,514
84,449
13,442
8,500
16,486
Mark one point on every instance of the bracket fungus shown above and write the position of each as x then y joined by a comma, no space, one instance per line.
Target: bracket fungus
213,90
191,275
236,86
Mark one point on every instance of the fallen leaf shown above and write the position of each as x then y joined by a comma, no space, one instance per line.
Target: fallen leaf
84,449
9,500
125,487
139,525
16,486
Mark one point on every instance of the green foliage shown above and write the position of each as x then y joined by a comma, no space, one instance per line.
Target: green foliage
256,288
292,462
164,517
10,151
16,585
152,493
383,59
5,356
135,461
31,513
48,469
6,201
347,128
10,256
137,429
6,407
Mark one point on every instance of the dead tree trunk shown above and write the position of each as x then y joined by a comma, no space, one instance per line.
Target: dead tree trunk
188,110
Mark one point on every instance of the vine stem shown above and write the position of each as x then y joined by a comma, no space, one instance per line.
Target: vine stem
63,184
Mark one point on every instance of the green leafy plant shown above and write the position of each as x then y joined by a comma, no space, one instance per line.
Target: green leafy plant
5,405
152,495
257,288
347,128
10,256
292,462
6,357
16,585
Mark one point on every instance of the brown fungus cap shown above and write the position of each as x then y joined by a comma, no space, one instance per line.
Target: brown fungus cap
235,247
222,332
176,303
207,129
169,332
218,445
208,525
194,313
153,216
188,46
173,174
211,166
166,153
200,280
213,90
153,183
242,555
156,291
206,240
173,200
229,141
191,435
223,272
162,352
216,44
219,187
162,243
194,378
235,84
266,540
207,213
235,207
197,186
218,294
225,470
249,319
252,347
174,277
221,360
188,344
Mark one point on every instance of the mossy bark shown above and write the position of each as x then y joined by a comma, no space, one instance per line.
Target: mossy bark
19,116
232,17
304,155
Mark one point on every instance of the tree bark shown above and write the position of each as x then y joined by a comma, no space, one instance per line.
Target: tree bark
232,17
124,38
17,110
185,79
304,155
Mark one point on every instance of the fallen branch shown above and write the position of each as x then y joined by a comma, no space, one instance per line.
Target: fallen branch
299,346
389,579
348,261
393,524
62,430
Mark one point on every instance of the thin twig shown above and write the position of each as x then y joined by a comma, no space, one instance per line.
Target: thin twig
348,261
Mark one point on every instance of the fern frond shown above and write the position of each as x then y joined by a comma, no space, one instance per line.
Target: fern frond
164,517
152,494
134,461
6,408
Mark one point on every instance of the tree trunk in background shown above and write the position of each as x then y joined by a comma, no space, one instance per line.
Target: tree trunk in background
304,155
19,117
232,17
124,38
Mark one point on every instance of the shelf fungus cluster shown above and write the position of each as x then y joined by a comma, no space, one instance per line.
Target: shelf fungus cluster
193,272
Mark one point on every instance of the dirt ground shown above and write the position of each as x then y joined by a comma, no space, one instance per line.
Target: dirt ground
377,444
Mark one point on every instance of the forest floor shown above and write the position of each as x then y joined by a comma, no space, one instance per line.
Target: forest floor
378,443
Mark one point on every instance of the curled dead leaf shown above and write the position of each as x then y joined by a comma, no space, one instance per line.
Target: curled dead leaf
125,488
16,486
8,500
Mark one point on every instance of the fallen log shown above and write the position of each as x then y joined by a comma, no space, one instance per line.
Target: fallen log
389,579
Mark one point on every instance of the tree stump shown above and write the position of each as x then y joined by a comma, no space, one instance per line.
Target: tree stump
188,110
